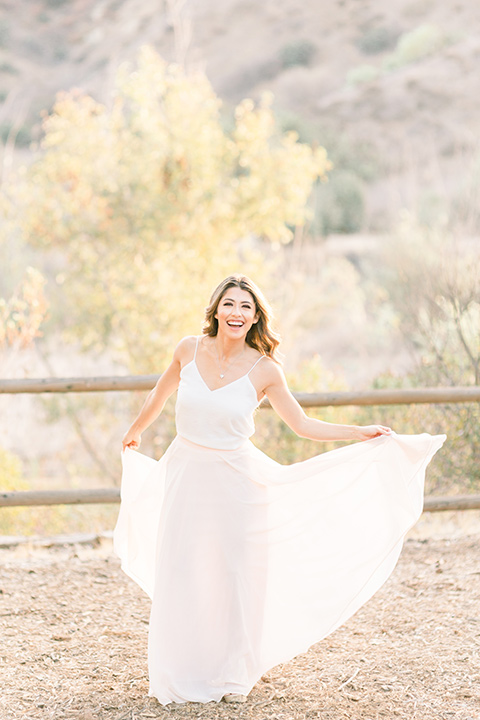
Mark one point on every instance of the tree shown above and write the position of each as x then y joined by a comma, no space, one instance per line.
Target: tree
21,317
434,285
22,314
144,204
435,288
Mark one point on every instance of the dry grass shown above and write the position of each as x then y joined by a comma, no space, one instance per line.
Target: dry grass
74,634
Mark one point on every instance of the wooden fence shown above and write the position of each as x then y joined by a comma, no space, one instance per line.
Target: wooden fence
409,396
447,395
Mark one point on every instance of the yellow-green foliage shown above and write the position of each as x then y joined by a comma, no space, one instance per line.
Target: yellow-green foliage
10,479
361,74
417,44
145,201
23,313
10,471
46,520
455,468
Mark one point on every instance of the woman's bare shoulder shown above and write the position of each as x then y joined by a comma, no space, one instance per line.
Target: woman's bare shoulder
185,349
270,370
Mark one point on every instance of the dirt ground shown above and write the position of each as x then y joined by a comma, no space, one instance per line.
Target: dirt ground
74,637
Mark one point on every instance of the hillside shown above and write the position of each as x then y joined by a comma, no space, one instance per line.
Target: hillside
334,67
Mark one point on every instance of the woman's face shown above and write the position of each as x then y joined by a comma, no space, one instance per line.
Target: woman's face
236,313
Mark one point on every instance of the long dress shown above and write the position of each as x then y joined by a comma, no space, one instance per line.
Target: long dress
249,562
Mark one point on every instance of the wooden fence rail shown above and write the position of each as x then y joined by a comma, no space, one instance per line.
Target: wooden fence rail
27,498
146,382
408,396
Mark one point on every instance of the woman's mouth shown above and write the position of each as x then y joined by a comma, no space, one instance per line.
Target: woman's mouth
235,323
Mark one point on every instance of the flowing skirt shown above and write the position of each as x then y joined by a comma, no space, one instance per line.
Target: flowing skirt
248,562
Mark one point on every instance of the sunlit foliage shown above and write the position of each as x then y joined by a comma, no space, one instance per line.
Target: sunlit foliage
22,314
144,204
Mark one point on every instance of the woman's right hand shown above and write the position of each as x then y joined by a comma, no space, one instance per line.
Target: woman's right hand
131,439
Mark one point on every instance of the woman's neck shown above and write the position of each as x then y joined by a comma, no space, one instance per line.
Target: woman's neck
228,348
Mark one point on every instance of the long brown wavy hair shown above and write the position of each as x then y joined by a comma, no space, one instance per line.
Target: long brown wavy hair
261,335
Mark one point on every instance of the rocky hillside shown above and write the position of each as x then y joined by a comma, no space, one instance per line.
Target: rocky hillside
390,88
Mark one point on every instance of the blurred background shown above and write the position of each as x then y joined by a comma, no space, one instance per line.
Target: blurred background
328,150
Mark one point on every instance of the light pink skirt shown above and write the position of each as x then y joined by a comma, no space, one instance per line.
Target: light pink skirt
248,562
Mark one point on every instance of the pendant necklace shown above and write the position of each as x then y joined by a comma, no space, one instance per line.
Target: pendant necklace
222,374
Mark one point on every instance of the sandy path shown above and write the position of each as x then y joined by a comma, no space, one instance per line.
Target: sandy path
74,633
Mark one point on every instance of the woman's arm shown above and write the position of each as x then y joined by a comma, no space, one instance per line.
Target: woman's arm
293,415
156,398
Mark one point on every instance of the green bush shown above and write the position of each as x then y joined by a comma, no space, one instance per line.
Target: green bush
362,74
417,44
346,153
22,135
4,33
455,470
300,52
60,54
377,39
6,67
339,205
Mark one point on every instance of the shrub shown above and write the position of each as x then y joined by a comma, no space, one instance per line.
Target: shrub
362,74
375,40
6,67
455,469
417,44
4,33
306,130
26,521
60,54
300,52
434,287
10,479
340,204
345,152
22,135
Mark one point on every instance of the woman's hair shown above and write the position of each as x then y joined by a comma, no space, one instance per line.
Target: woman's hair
261,336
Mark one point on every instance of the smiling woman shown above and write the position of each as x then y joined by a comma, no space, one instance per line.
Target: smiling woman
240,290
249,562
236,315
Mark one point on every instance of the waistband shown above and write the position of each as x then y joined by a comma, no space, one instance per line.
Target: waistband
183,440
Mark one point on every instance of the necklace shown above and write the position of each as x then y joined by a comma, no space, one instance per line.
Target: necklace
222,374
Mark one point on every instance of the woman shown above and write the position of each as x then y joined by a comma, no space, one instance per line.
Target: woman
248,562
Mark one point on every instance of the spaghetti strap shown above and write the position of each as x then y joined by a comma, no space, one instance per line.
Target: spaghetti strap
196,348
256,363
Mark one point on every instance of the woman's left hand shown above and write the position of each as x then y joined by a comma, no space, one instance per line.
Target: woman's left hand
367,432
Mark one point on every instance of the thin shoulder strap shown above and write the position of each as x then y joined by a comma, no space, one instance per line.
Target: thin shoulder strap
256,363
196,348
